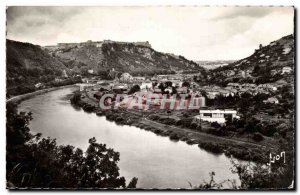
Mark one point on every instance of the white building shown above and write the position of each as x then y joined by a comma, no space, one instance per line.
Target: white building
272,100
286,69
126,78
146,85
212,94
38,85
218,116
141,79
91,71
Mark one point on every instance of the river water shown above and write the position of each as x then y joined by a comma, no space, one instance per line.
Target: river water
156,161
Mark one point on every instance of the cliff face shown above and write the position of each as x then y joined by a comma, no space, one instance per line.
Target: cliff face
29,64
134,58
268,64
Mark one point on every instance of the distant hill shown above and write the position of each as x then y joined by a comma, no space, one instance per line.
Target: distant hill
214,64
136,59
265,65
29,64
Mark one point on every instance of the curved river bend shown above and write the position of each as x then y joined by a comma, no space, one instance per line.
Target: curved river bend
156,161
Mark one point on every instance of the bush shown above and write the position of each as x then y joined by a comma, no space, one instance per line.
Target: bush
194,126
211,147
257,137
76,98
178,123
219,132
186,122
215,125
174,136
119,119
168,121
185,115
154,117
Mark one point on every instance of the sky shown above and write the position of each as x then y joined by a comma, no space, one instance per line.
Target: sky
198,33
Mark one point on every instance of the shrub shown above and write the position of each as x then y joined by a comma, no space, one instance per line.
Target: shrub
212,147
194,126
76,98
154,117
186,122
215,125
119,119
257,137
178,123
174,136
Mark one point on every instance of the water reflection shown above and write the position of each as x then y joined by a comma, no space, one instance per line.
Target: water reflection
157,161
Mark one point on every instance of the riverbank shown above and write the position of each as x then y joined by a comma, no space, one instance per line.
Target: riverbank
17,99
237,147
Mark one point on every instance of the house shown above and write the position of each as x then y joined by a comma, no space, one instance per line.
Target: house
85,80
169,90
243,74
176,82
286,69
146,85
274,72
272,100
139,79
267,87
126,78
156,90
58,80
234,85
120,89
39,85
225,93
182,90
218,116
212,94
230,73
102,87
64,74
91,71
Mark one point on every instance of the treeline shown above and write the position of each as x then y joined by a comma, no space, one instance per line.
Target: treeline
28,88
36,162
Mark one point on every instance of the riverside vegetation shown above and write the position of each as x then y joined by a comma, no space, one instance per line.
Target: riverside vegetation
253,175
36,162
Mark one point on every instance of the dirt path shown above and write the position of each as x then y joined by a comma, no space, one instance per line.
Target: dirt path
204,136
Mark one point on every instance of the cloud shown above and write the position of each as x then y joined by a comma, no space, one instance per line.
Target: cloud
198,33
249,12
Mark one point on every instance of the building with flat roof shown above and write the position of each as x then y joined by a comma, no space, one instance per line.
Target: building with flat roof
218,116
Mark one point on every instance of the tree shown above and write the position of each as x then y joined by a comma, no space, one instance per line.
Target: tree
243,105
186,84
162,87
256,69
37,162
168,84
134,89
253,176
76,98
132,183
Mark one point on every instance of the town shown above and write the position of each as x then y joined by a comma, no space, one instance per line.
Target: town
150,97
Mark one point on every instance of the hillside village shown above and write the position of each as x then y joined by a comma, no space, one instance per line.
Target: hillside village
151,97
250,97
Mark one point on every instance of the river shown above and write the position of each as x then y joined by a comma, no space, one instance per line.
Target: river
156,161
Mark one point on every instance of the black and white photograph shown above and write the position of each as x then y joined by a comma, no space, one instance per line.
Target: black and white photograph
150,98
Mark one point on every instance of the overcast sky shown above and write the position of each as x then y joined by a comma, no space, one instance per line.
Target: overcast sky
198,33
